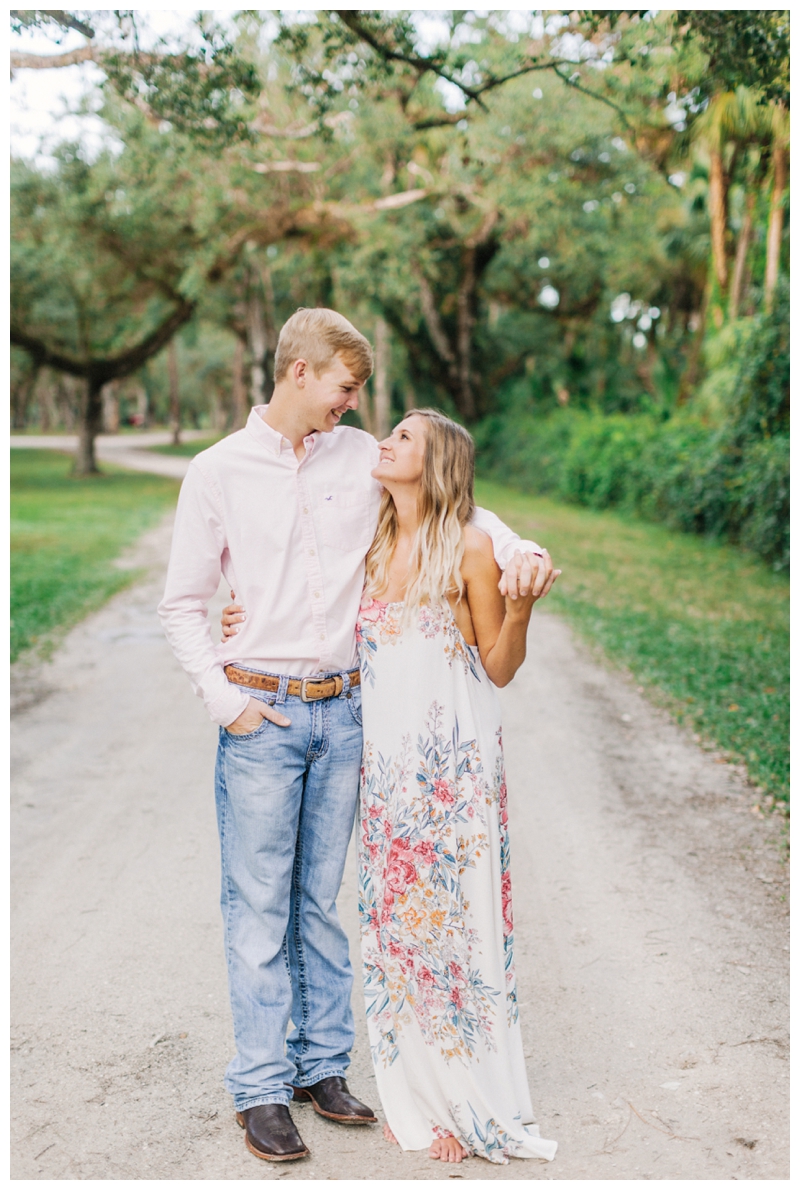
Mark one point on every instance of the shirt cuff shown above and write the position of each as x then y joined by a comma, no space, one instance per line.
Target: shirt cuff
229,705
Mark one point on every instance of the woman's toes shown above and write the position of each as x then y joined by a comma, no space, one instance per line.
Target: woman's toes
389,1135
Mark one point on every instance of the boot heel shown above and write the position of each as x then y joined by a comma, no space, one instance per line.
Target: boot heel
299,1095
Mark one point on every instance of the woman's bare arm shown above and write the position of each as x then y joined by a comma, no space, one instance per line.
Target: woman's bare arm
500,624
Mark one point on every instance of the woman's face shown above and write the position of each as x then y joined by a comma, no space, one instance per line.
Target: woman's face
403,453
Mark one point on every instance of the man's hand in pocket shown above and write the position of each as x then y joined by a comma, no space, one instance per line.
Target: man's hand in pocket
251,716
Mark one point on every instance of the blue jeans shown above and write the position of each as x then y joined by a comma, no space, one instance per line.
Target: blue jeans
286,801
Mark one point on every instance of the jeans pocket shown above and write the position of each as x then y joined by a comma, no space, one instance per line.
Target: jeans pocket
354,704
246,735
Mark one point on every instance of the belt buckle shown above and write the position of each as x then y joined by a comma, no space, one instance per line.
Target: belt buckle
303,695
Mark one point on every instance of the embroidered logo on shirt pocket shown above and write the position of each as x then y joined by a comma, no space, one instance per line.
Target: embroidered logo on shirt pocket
345,522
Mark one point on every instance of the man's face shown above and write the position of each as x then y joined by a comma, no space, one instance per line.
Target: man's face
329,395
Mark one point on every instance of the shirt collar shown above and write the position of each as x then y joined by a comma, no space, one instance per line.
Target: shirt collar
271,438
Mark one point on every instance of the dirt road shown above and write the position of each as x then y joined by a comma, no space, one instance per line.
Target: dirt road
651,931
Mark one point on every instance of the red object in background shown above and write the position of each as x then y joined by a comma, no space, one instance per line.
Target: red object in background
135,419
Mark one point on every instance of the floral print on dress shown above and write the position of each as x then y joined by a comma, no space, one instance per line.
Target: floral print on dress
487,1138
418,952
437,934
382,623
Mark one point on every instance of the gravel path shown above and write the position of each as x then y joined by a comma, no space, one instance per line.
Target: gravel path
650,902
126,450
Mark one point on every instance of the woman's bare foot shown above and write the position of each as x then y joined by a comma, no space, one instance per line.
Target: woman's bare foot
447,1149
387,1132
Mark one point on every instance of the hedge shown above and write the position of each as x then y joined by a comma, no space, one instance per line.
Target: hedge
679,472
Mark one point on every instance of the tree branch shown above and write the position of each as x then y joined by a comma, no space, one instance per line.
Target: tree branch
102,370
593,95
351,19
87,53
434,323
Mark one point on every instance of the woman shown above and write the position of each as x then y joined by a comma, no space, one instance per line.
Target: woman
435,897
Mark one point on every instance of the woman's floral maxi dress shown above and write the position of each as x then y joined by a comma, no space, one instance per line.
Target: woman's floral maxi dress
435,891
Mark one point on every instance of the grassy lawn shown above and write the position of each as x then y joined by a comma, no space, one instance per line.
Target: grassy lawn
65,535
703,627
187,450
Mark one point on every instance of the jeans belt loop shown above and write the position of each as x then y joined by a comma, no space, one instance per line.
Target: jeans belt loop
283,686
345,684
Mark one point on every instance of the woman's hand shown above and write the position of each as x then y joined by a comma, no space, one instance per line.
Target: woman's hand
232,615
528,572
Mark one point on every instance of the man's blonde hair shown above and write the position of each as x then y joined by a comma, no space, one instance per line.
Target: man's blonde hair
318,336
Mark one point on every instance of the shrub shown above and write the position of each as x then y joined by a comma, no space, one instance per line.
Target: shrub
678,472
727,481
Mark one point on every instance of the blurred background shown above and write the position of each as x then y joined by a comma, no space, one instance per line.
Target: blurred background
569,230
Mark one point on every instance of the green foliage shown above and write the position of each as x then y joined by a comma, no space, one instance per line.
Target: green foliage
729,480
65,536
702,627
679,472
203,91
760,398
745,47
204,353
533,228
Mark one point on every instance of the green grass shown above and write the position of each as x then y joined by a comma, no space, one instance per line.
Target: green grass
187,450
704,627
65,535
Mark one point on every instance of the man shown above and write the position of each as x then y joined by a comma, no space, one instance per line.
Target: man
286,509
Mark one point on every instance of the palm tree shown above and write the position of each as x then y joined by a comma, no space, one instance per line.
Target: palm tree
732,121
780,169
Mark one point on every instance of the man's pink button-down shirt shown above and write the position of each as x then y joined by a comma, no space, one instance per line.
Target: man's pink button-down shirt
290,537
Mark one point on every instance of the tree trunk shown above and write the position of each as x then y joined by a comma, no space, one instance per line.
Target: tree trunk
142,410
737,284
240,409
91,424
44,393
435,329
270,328
780,163
466,319
20,397
111,407
718,211
409,399
383,393
174,393
69,388
256,341
690,373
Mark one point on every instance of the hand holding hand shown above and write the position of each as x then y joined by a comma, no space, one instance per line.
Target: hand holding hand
232,615
527,575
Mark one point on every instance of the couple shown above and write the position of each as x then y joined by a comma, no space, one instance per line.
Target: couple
341,550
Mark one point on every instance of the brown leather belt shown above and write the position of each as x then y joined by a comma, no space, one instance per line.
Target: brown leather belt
308,689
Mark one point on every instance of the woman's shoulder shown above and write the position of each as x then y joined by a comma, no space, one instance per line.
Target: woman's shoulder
478,552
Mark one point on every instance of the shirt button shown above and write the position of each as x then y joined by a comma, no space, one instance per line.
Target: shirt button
305,510
316,594
322,636
311,552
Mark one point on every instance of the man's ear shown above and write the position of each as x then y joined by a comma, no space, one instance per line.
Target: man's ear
299,371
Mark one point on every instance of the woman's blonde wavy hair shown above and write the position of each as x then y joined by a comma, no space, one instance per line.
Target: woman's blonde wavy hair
446,503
